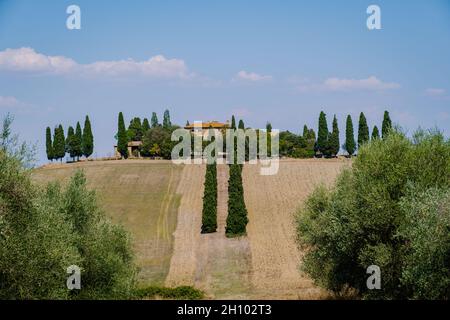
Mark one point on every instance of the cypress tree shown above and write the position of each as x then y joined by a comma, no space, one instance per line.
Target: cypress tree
145,126
375,133
349,145
134,132
233,122
246,143
363,130
209,213
305,132
387,124
166,120
334,138
70,147
322,135
269,138
237,212
48,144
59,143
310,141
154,120
240,126
87,143
122,140
233,127
77,141
55,146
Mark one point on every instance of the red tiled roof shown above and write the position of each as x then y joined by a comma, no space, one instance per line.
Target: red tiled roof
208,124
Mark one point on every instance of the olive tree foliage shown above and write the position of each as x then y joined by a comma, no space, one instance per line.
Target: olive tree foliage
426,268
105,248
10,143
389,209
44,230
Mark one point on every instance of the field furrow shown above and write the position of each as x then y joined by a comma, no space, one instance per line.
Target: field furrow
272,202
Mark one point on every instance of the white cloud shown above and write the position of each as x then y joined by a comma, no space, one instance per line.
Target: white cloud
251,76
372,83
15,105
241,112
435,92
157,66
28,60
9,102
444,115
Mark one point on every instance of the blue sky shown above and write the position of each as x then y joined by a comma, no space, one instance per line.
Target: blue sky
274,61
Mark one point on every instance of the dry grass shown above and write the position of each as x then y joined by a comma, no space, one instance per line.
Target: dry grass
140,195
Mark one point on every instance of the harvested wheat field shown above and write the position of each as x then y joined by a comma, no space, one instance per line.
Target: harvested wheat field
160,204
141,196
271,203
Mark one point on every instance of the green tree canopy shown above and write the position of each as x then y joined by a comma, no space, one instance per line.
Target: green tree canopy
237,212
157,143
390,209
209,213
334,138
305,132
387,124
363,130
349,145
78,140
375,133
323,134
166,120
135,131
122,139
269,138
59,143
70,147
154,120
87,144
145,126
49,144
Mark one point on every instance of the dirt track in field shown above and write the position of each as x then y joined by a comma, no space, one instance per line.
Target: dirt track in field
212,262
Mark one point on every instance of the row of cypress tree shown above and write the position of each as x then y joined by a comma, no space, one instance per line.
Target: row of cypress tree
209,214
237,212
328,142
78,142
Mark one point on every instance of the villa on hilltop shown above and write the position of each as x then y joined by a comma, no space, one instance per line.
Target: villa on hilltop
197,128
202,128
